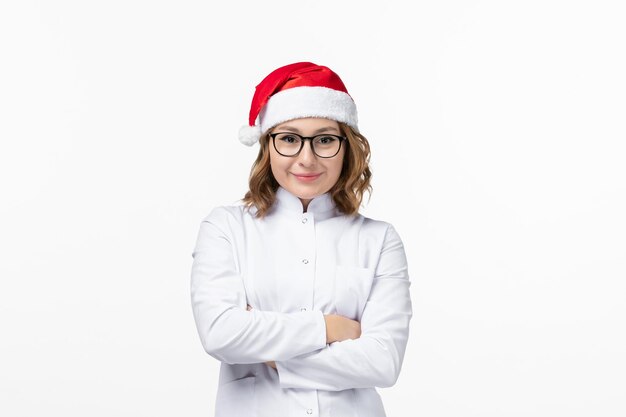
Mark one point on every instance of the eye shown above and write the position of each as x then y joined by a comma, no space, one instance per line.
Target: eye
288,138
325,140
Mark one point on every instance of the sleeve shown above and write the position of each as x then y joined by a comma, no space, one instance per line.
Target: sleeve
375,358
228,331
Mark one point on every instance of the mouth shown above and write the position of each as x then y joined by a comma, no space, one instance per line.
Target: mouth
307,177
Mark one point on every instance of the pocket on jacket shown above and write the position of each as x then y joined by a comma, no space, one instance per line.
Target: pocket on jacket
236,398
352,289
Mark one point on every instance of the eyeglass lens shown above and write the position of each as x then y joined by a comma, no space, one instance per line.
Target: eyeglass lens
289,144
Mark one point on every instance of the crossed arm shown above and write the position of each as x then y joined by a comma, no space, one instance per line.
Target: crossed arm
344,327
338,328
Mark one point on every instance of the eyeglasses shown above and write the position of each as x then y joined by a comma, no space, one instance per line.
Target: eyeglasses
290,144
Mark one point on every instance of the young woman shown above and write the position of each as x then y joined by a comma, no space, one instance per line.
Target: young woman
304,301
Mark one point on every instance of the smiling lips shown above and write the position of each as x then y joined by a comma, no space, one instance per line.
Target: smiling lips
307,177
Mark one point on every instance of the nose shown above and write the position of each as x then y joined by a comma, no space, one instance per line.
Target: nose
306,156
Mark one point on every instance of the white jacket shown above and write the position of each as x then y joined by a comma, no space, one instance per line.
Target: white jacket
292,268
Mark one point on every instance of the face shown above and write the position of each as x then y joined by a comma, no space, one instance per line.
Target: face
306,175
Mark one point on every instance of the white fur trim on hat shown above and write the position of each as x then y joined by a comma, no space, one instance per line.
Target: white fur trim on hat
297,102
249,135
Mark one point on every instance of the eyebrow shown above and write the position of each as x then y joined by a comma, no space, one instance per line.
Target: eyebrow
321,130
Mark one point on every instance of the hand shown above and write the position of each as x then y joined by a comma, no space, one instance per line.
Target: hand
339,328
270,363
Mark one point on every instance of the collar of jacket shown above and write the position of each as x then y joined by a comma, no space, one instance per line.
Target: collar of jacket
321,207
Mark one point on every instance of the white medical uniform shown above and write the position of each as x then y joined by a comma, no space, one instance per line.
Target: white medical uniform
292,268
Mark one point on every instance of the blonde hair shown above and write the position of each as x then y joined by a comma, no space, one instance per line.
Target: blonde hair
347,192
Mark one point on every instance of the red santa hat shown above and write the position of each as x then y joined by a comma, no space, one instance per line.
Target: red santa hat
298,90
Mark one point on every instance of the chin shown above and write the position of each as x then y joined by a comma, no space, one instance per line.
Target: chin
306,192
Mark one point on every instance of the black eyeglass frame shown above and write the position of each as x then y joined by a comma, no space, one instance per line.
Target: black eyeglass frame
303,139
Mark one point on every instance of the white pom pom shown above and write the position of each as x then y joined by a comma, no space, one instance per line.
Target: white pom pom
249,135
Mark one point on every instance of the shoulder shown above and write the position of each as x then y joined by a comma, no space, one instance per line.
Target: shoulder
379,229
389,245
374,225
227,216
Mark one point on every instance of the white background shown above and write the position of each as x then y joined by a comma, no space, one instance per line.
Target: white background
497,133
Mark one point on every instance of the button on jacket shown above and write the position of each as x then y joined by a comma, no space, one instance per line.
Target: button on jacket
292,268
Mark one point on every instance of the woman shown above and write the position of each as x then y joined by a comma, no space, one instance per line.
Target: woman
304,301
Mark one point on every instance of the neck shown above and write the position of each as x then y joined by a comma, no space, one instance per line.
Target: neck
322,206
305,204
